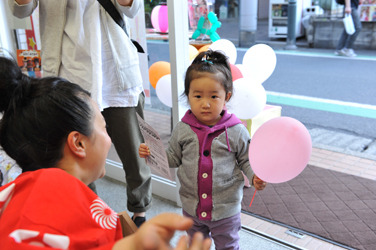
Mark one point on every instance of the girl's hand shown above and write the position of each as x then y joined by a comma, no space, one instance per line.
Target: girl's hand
258,183
143,150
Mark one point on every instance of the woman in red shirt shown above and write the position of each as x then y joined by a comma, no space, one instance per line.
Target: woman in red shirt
57,135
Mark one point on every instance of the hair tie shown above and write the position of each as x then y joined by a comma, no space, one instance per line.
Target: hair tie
207,61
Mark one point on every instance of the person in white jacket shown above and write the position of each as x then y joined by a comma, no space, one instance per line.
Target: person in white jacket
82,43
60,151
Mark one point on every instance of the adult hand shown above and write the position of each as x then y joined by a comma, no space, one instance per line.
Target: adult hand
348,6
125,2
157,232
143,150
258,183
198,243
22,2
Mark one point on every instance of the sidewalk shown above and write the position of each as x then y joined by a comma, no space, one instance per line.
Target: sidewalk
321,158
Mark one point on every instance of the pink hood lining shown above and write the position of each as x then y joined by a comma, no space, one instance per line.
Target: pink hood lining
227,120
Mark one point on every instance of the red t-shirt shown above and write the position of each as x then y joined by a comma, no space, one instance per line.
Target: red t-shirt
52,209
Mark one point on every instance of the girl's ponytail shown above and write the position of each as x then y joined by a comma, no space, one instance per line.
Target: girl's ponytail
212,62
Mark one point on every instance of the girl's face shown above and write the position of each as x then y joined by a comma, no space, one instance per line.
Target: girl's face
207,98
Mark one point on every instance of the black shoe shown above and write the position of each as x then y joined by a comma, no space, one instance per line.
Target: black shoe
138,220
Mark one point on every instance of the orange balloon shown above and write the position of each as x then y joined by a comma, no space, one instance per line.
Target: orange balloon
204,48
157,70
193,52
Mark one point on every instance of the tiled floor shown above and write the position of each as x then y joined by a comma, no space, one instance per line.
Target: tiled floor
346,162
320,158
343,163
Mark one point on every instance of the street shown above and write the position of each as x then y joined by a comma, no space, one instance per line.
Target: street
334,78
320,75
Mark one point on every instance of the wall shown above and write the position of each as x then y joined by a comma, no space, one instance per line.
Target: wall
263,9
327,32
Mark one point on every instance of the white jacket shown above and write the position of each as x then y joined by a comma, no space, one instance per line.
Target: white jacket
52,19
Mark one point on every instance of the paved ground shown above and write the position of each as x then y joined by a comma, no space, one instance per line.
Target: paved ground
331,204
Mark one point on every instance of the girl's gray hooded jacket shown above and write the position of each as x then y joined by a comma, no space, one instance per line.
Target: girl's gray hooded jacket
210,161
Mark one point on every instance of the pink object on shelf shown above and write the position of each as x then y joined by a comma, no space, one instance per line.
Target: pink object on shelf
159,18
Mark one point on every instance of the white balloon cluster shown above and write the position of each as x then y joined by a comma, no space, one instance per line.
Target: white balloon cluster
226,47
249,97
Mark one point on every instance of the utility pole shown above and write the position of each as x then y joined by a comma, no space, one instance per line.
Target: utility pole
291,26
248,22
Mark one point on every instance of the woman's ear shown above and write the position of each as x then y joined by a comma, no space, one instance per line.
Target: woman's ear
228,96
76,144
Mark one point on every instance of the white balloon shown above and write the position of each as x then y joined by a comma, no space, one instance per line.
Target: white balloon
163,90
227,47
244,71
260,61
248,99
247,74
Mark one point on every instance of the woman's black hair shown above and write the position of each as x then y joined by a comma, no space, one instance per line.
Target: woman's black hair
38,115
214,62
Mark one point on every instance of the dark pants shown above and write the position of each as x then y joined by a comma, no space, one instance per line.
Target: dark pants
346,40
122,127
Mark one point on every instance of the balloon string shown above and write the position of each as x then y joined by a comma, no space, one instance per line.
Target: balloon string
253,197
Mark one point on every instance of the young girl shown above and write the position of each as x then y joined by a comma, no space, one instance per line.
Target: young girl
57,135
210,148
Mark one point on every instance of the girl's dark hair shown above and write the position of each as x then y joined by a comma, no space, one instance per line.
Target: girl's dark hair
213,62
38,115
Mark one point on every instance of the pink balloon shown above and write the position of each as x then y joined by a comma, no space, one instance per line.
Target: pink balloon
280,150
159,18
235,72
155,17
